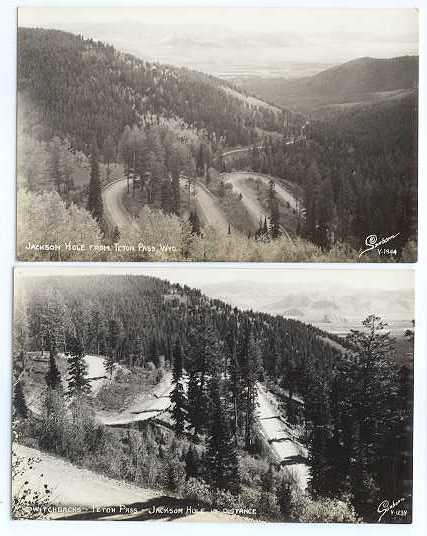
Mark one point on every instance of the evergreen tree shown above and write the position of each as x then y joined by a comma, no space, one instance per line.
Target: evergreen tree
192,463
321,462
19,403
195,399
115,235
221,458
284,497
78,383
154,356
265,228
177,395
109,364
275,220
113,337
195,223
251,370
53,376
95,204
109,152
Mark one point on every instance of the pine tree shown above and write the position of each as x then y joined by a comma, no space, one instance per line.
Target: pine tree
195,223
116,235
321,465
19,403
275,219
194,397
108,152
177,395
268,482
154,352
113,336
192,463
265,228
176,202
109,364
53,376
284,497
95,204
251,370
221,458
78,384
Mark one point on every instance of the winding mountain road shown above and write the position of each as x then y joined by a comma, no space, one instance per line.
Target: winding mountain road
114,209
144,407
207,205
283,444
209,210
249,198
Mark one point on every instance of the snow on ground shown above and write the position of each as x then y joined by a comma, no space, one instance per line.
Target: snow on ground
145,406
96,372
288,451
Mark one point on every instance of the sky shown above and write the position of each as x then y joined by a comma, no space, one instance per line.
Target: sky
240,41
343,294
286,279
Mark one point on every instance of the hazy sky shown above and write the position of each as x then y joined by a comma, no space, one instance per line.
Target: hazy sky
286,279
218,39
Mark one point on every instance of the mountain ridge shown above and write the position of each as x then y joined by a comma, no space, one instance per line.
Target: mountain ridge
83,87
356,80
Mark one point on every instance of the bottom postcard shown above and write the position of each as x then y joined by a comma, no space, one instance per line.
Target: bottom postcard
213,394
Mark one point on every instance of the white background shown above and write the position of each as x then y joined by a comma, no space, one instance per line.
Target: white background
7,261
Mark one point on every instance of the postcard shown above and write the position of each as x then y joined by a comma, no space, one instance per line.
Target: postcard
217,134
177,394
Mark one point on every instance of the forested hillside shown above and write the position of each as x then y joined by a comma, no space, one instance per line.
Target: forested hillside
358,171
357,409
354,81
89,115
84,88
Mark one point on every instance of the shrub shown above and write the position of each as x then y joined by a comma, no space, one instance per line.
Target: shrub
324,510
197,491
45,219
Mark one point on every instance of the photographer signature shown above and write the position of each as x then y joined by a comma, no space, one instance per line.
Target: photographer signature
387,506
373,243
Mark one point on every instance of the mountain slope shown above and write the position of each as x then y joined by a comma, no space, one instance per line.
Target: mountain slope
363,79
83,88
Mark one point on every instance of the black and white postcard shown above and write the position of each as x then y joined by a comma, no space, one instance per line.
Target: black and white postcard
217,134
213,394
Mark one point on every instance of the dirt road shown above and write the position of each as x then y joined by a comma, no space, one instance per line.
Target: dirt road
114,209
249,198
208,209
145,406
92,496
288,451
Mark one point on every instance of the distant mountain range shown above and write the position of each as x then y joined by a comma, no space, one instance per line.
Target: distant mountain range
330,304
359,80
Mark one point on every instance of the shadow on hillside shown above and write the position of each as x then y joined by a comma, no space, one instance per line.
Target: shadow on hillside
159,508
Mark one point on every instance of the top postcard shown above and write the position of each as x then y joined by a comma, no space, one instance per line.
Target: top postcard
217,134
